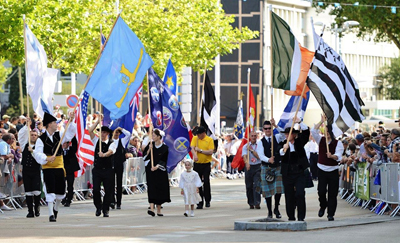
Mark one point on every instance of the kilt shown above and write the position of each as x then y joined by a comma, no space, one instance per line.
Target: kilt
270,189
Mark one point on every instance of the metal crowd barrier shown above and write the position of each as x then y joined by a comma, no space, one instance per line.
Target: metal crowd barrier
366,190
176,174
10,189
134,176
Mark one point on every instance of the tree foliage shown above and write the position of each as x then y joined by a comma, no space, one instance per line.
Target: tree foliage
379,22
391,80
194,32
4,72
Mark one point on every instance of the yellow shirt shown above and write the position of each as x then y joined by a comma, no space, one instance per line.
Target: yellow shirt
205,144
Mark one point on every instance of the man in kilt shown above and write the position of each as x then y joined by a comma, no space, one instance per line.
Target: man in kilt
270,163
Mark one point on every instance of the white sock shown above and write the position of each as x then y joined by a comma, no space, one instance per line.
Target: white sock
50,206
187,211
58,202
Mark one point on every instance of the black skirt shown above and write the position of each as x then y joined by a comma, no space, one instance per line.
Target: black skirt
157,186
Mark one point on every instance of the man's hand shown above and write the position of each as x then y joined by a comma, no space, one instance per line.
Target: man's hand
247,166
30,149
273,122
285,147
195,158
271,160
51,159
101,154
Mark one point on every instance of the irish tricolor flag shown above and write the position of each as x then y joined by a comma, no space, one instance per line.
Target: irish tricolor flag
286,55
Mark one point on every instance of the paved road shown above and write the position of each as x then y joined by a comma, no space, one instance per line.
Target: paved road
215,224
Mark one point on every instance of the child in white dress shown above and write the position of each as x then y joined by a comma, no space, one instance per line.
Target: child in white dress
190,183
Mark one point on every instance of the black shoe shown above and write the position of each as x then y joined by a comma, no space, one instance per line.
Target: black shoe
55,213
270,215
64,201
251,207
30,215
199,207
52,218
330,218
105,214
300,219
185,214
292,219
277,213
160,214
257,206
98,212
321,212
112,205
37,211
67,204
208,204
118,206
149,212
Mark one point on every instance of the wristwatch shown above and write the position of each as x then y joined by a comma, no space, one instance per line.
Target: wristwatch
201,151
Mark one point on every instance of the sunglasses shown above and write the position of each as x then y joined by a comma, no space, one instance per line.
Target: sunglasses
267,128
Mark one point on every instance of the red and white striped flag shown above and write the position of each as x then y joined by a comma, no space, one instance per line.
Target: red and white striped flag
85,152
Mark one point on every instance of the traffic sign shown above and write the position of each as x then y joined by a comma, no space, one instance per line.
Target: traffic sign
72,100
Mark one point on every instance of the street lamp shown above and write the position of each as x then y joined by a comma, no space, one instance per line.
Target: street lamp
345,26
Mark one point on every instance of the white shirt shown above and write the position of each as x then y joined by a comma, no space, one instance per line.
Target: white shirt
231,148
260,150
338,151
311,147
23,136
113,145
253,159
38,154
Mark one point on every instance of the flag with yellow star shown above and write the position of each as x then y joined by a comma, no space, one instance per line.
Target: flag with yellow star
170,77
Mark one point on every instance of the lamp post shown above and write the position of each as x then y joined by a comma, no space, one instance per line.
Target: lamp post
345,26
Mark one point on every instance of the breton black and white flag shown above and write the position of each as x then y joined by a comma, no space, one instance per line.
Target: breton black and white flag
208,108
335,89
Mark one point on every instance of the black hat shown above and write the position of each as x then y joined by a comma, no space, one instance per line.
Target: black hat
105,129
47,118
200,130
287,130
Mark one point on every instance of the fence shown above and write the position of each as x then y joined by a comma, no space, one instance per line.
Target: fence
372,182
133,181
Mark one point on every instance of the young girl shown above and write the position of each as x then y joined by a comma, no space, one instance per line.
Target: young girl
190,183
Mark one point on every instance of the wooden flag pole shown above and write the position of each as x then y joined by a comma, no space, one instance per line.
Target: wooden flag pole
84,87
202,93
247,115
26,71
326,133
297,110
272,79
151,123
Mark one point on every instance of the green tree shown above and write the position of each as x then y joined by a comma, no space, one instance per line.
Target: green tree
391,80
194,32
376,22
4,72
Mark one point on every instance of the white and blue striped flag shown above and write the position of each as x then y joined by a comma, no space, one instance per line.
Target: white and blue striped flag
239,124
290,110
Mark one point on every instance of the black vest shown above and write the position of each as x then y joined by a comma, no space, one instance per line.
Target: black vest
103,162
119,156
267,152
49,147
28,161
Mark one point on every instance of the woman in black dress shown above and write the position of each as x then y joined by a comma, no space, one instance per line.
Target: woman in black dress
157,176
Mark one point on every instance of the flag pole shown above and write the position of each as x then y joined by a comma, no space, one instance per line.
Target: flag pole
202,93
326,135
272,78
151,123
247,115
302,92
26,73
84,87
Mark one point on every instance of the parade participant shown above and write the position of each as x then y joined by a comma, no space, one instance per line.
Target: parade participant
53,165
328,169
156,172
270,164
103,170
202,150
294,163
252,171
30,169
119,162
190,182
71,165
312,155
230,151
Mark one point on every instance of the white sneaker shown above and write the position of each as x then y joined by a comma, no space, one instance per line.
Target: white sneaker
6,208
192,214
